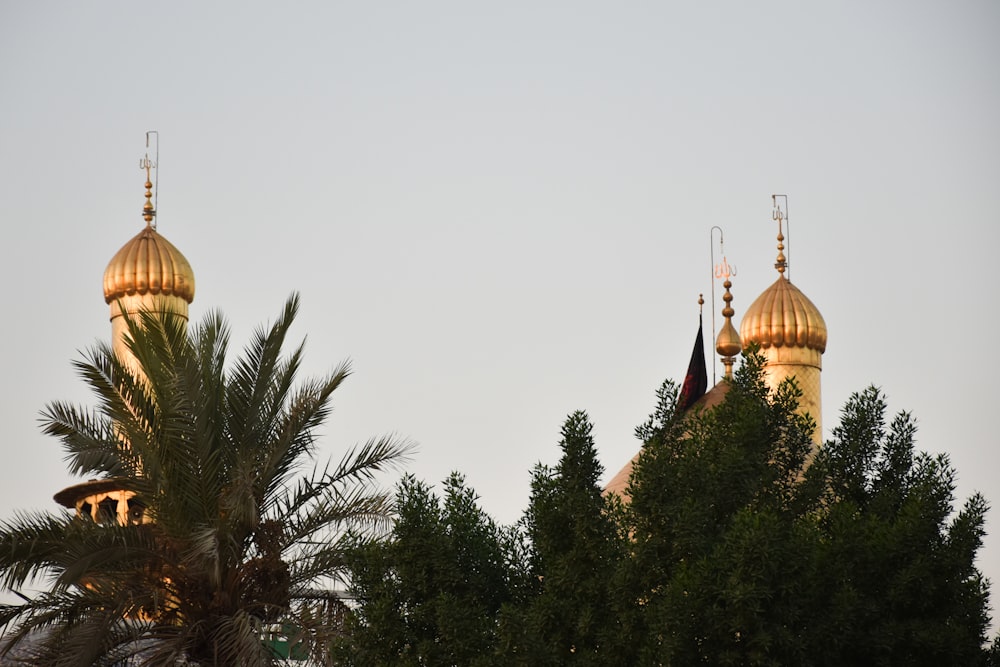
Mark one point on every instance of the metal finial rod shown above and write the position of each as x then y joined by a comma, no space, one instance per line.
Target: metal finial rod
150,209
779,215
723,270
711,244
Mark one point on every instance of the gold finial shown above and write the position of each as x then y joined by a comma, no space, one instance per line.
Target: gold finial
148,212
727,310
149,208
728,344
781,217
725,269
780,263
701,302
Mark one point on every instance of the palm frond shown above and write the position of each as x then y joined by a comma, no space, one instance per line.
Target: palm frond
220,457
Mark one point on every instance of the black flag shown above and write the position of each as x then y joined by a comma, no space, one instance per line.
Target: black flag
696,381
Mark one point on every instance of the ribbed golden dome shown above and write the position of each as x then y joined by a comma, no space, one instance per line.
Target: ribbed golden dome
148,264
784,316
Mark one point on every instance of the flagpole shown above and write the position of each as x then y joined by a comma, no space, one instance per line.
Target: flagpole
711,251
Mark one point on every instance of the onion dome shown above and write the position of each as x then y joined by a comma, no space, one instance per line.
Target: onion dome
784,316
148,264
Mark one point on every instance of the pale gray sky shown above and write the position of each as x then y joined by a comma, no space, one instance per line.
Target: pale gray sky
501,211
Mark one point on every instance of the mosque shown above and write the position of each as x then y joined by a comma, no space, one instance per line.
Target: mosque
791,334
149,274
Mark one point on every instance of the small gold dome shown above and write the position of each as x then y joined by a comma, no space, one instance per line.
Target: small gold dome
784,316
148,264
728,342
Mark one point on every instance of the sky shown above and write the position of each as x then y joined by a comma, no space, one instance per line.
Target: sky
501,212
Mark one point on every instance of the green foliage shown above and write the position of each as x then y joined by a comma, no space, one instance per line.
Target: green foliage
219,455
431,595
716,499
741,545
898,562
575,545
747,553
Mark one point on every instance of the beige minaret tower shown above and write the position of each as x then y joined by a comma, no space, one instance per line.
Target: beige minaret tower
147,274
792,336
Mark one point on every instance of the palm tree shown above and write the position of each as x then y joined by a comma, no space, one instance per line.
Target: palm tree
242,528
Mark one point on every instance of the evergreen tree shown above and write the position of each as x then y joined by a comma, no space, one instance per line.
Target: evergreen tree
897,563
745,553
716,496
431,595
741,545
575,546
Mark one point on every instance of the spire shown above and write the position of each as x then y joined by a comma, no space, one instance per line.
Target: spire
723,270
728,344
789,330
148,211
780,264
148,265
149,208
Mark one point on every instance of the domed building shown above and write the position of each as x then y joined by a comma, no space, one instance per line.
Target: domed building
148,274
791,334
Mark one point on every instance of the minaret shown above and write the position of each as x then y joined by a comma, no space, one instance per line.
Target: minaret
791,334
147,274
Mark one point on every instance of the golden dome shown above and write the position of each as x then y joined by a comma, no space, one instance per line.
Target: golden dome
148,264
784,316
